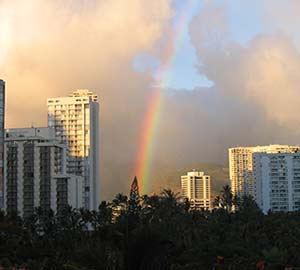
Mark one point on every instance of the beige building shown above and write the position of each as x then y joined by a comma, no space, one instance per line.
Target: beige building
76,122
241,166
196,187
36,173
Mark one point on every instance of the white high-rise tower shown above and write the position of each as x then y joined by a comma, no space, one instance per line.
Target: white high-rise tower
76,122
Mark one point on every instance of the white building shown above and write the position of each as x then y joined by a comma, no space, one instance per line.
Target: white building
2,120
241,166
277,180
76,122
196,187
36,173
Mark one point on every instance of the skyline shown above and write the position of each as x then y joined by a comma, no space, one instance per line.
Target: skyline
246,60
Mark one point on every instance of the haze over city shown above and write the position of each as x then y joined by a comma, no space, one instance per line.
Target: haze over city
233,79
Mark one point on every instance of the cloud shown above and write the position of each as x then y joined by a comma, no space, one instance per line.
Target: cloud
255,97
282,15
55,47
50,48
264,73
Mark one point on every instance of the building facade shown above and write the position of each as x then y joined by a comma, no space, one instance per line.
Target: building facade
2,122
36,173
76,123
277,179
196,187
241,166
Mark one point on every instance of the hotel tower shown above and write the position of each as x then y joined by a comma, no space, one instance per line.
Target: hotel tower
76,122
196,187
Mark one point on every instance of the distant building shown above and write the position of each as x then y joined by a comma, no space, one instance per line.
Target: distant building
277,180
36,173
2,120
241,166
196,187
76,122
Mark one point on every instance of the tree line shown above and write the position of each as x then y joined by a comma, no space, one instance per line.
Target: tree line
153,232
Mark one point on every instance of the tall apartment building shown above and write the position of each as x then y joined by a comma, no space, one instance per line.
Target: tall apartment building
277,179
241,166
36,173
76,122
196,187
2,120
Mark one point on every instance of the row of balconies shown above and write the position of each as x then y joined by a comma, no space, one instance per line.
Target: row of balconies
12,184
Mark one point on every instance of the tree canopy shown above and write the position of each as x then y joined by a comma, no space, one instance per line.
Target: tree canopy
156,232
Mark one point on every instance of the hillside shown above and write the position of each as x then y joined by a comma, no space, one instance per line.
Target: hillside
166,177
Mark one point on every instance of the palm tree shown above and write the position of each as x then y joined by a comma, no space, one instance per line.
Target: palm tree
169,197
227,198
119,205
149,206
150,201
217,202
102,217
121,200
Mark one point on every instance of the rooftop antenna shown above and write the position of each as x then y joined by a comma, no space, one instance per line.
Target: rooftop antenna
32,126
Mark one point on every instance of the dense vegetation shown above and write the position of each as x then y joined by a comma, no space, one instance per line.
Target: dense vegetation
153,233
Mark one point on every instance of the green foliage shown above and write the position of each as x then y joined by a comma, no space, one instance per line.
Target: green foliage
164,235
134,204
275,257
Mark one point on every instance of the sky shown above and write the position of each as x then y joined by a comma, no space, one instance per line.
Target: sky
231,78
183,73
245,22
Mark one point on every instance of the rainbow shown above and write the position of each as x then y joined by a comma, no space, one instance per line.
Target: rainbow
155,101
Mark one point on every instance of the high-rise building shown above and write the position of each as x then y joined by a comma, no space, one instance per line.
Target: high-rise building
76,122
36,173
277,180
241,166
2,120
196,187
